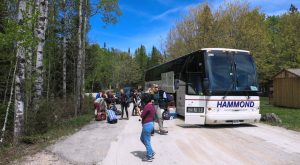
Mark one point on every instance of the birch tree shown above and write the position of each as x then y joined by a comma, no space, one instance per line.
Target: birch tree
40,31
20,80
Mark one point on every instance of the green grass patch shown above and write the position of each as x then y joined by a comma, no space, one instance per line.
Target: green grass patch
34,143
290,117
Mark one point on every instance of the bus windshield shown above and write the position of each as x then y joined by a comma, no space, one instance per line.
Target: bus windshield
231,72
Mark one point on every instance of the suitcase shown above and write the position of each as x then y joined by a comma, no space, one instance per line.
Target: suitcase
100,116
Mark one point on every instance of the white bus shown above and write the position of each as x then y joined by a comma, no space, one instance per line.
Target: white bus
211,86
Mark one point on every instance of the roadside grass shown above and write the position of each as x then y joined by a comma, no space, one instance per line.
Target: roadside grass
290,117
34,143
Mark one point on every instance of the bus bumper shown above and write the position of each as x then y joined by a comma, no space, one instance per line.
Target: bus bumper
230,119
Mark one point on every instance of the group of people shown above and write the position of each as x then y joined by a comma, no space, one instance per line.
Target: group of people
147,105
105,108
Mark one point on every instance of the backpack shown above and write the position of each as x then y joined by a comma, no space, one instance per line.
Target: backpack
166,115
162,101
170,97
100,116
111,117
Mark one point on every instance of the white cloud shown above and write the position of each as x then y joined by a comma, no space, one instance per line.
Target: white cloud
165,14
177,10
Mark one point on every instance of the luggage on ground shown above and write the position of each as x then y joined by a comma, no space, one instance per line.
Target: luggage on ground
111,117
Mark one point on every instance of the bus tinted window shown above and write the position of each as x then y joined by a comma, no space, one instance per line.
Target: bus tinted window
231,72
245,73
220,72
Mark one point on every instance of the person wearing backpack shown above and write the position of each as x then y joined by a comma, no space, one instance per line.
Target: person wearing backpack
124,104
159,99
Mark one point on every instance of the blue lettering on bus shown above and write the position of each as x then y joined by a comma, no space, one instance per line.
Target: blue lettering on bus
229,104
219,104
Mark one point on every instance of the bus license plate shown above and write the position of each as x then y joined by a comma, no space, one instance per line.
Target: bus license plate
235,122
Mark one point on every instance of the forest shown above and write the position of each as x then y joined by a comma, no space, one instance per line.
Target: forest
48,63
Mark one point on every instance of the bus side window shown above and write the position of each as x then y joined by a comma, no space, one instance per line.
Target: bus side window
194,84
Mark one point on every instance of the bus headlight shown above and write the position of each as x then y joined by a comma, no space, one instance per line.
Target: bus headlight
195,109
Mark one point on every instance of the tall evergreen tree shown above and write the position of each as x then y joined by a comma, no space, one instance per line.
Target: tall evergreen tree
155,58
141,57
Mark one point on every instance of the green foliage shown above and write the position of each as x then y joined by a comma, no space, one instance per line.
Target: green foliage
3,14
110,69
52,114
273,41
32,143
290,116
155,58
109,10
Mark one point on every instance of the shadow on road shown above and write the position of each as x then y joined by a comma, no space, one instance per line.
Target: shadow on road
214,126
190,126
139,154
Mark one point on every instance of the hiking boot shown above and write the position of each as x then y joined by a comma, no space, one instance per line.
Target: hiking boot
146,159
163,131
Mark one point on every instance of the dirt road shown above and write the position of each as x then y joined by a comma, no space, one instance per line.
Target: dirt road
118,144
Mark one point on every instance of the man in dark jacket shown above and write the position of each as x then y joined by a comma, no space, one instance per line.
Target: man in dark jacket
124,104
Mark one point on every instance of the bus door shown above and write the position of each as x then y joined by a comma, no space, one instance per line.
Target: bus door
195,109
180,97
195,102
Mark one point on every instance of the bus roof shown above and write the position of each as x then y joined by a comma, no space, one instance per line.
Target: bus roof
225,49
203,49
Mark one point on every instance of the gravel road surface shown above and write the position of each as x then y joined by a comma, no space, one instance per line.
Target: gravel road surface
119,144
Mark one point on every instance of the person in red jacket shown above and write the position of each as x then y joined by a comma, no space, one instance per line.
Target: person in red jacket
147,123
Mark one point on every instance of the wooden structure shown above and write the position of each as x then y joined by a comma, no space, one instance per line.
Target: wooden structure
286,85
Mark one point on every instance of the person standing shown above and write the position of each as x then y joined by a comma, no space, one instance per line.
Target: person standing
147,123
136,102
158,97
124,104
99,95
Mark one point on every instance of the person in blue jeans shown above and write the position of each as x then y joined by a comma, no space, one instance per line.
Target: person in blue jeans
147,122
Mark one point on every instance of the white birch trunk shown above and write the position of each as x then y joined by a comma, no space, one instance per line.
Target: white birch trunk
40,31
19,81
30,50
64,52
79,62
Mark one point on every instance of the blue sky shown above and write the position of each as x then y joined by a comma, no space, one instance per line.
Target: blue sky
148,22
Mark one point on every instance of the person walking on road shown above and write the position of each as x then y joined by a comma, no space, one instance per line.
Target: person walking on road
147,122
124,104
158,97
136,102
